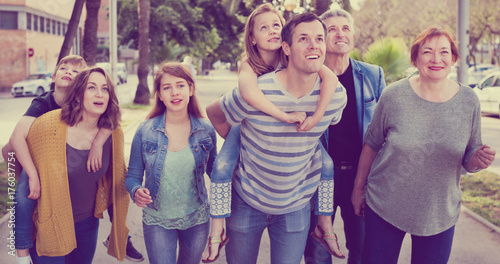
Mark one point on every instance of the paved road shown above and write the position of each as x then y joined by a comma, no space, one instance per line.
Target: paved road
473,243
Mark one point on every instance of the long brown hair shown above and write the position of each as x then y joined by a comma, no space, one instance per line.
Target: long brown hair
251,54
72,110
176,69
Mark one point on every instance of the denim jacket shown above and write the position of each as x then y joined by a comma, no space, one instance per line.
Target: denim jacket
149,149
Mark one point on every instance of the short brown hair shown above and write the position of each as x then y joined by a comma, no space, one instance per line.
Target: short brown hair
72,110
428,34
176,69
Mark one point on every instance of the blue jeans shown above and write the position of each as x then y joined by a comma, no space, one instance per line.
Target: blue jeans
287,233
383,243
24,213
86,241
226,161
354,226
161,243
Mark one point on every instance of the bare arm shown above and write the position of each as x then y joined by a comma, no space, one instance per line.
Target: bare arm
20,147
327,89
218,119
250,92
364,166
94,161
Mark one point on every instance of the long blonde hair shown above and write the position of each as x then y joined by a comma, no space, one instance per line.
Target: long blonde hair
251,54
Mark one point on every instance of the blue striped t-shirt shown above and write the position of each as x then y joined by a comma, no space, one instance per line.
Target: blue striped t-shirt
279,168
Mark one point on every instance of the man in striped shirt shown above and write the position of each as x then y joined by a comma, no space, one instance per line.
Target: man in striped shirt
279,169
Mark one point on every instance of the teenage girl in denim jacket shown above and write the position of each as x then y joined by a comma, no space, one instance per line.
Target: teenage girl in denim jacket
175,146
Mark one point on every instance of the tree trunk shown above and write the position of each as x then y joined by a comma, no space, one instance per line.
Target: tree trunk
72,29
142,94
321,6
90,31
346,5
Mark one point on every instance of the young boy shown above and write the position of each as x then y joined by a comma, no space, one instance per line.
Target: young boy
64,73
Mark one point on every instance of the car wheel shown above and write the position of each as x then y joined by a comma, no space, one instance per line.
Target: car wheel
39,91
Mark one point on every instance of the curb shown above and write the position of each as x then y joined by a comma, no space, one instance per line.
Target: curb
480,219
133,124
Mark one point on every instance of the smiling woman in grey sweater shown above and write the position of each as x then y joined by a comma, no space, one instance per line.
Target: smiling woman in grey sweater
424,130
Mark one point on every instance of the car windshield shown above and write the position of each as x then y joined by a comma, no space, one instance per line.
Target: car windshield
35,76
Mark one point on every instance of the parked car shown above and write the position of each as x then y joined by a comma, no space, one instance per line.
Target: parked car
36,84
488,92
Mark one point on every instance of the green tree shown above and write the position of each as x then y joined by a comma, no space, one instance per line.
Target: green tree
390,54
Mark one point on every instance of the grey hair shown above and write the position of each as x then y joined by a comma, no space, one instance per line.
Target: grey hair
338,13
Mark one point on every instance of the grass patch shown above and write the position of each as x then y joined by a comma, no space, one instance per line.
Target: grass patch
481,194
133,106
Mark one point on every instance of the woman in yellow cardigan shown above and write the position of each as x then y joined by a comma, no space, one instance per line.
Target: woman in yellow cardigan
72,199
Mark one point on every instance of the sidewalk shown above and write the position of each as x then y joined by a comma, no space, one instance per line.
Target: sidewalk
474,243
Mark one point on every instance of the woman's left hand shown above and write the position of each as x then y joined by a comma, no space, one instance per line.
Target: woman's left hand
482,158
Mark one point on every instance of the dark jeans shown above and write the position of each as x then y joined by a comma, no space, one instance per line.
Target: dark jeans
383,243
86,242
354,226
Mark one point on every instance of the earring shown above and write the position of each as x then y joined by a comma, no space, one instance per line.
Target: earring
253,42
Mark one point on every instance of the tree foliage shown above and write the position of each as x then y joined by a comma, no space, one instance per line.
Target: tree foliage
390,54
203,28
377,19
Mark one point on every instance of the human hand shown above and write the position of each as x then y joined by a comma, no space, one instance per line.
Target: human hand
310,122
358,202
142,197
94,161
482,158
35,190
294,117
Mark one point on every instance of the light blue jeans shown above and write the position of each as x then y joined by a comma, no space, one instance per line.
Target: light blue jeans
161,243
24,213
288,234
227,160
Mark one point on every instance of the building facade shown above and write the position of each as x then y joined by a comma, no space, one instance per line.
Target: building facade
32,33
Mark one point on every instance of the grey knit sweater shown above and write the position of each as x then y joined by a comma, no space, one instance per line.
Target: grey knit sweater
414,181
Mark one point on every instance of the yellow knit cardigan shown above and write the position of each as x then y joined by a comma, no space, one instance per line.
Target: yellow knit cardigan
53,216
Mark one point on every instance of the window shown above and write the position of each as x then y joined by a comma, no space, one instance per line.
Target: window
58,28
8,20
54,27
64,29
42,24
28,21
35,22
497,83
48,26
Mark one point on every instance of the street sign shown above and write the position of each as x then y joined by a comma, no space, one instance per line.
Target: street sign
31,52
